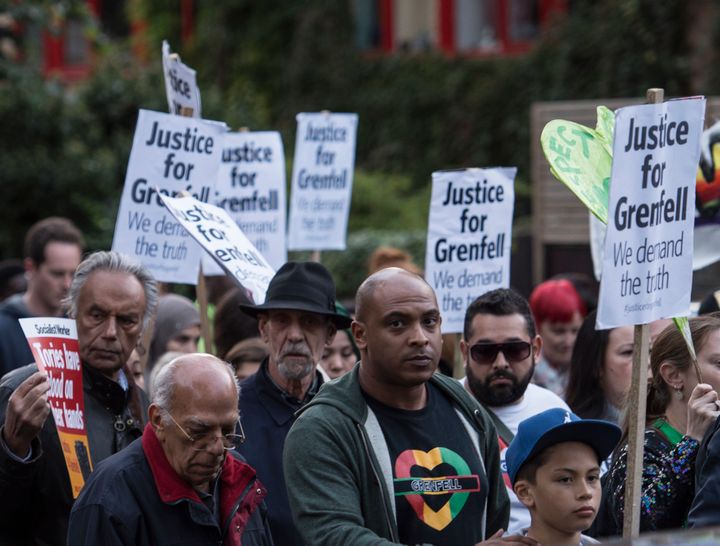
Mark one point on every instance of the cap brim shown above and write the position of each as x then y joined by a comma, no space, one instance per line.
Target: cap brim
340,321
602,436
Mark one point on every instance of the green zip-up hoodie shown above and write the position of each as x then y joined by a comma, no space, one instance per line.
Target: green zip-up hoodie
339,474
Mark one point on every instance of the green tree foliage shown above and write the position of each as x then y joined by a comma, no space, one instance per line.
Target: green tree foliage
420,113
64,150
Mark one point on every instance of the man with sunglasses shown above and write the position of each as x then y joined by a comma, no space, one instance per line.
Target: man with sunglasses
182,483
500,348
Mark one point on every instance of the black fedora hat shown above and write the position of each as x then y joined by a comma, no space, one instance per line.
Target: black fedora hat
301,286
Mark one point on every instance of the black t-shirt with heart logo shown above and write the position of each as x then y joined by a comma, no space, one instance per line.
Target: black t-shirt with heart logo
440,485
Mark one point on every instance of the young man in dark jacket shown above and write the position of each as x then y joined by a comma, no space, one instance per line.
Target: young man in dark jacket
392,452
53,250
179,484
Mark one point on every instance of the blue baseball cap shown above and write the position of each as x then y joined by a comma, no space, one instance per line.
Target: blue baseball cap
554,426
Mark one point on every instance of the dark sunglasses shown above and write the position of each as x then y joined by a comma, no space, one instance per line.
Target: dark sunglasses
514,351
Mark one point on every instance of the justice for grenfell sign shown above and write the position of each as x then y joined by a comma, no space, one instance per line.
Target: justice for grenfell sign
647,268
322,181
469,237
170,154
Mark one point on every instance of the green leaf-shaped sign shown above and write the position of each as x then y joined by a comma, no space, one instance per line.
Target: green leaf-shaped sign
581,158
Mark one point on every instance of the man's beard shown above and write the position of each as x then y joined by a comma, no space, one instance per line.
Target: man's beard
293,368
499,395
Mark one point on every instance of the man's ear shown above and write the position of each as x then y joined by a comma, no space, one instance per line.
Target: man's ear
537,348
262,319
30,266
155,415
464,350
359,332
523,491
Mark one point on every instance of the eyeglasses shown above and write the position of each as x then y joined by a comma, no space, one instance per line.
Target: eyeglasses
514,351
203,441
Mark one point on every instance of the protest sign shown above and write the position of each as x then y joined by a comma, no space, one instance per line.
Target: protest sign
469,238
322,181
170,154
251,189
54,345
647,268
581,158
707,188
181,88
221,237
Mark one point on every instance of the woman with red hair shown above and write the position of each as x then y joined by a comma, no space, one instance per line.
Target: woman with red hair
559,312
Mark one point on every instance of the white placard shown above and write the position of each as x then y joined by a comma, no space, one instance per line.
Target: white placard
221,237
322,181
469,238
180,84
597,244
171,154
251,189
647,267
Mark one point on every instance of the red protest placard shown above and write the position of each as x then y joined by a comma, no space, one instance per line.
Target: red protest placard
54,345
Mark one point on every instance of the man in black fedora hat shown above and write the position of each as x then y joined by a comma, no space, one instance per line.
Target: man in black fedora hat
297,320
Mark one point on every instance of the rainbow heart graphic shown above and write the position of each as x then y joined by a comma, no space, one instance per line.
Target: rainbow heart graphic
457,487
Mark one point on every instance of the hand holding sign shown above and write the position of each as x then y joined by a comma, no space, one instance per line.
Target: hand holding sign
27,410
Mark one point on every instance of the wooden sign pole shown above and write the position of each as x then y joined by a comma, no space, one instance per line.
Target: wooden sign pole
637,399
636,409
202,298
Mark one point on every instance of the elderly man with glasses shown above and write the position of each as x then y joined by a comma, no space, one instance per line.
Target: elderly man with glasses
183,482
500,348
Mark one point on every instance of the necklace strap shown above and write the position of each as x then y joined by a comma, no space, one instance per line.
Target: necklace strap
670,432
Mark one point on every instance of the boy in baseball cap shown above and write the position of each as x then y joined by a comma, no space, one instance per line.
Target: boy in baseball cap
554,467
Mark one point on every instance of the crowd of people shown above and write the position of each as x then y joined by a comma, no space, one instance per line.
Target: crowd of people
308,423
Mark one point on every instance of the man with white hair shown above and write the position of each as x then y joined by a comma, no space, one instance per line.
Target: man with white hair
111,298
297,320
182,483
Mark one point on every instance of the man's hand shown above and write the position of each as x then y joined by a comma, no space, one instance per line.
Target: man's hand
515,540
27,409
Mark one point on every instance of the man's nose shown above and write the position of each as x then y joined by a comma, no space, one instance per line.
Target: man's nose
295,331
419,335
67,280
110,327
501,363
216,446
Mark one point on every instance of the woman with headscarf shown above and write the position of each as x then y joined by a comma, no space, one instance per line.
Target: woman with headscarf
177,328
